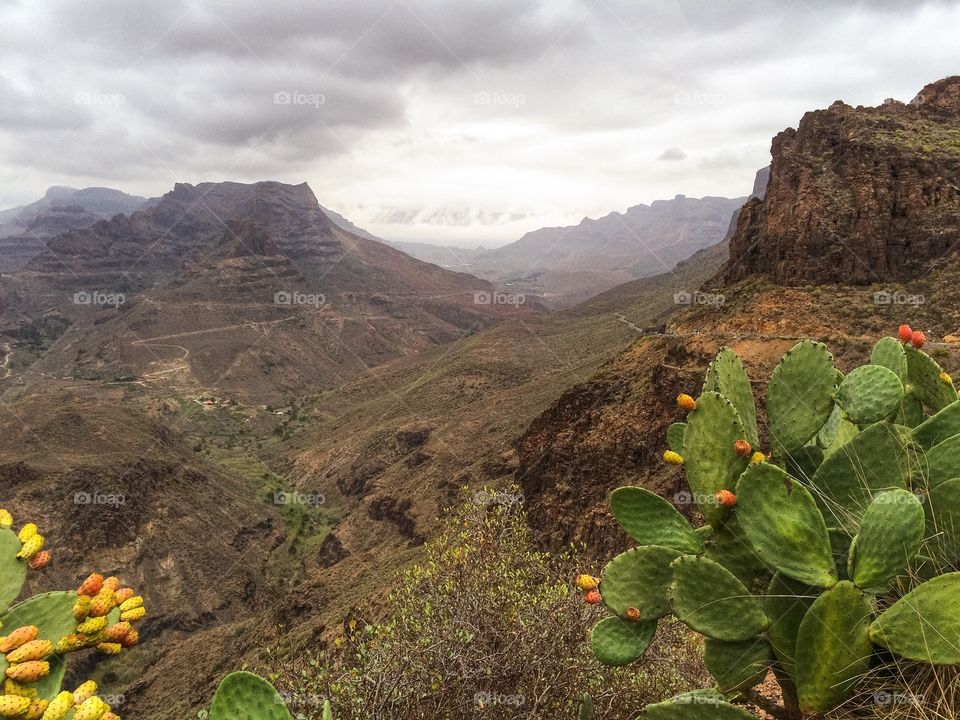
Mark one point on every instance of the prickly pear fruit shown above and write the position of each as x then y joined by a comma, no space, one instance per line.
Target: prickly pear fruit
85,691
103,603
130,639
115,633
133,615
12,687
36,710
29,672
81,609
33,650
633,614
59,706
94,624
70,643
40,560
587,582
726,498
123,594
31,547
672,458
92,708
918,339
112,583
92,585
132,603
110,648
945,378
18,637
686,402
906,333
27,532
742,448
12,706
757,457
592,597
6,519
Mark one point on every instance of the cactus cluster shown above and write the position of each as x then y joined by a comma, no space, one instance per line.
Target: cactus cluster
245,696
835,550
43,629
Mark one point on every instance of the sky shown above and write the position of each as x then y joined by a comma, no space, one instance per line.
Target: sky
461,122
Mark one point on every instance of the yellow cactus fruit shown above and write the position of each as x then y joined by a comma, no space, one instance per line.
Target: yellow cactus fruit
12,706
18,637
93,625
92,708
40,560
85,691
6,519
27,532
123,594
34,650
59,706
130,639
81,608
110,648
131,603
70,643
36,710
133,615
91,586
29,672
103,603
12,687
686,402
757,457
110,716
672,458
31,547
945,378
115,633
587,583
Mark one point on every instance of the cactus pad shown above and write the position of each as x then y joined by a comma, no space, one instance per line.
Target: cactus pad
245,696
698,705
785,604
708,598
943,522
730,547
800,395
675,437
52,613
890,538
911,412
937,428
924,625
737,666
782,522
924,377
869,394
639,578
727,376
13,572
943,462
889,353
711,464
620,642
650,520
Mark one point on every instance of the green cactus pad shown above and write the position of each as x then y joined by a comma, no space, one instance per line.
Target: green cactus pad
890,538
827,435
911,412
840,542
942,462
328,712
708,598
803,463
727,376
785,604
675,437
737,666
846,431
650,520
942,511
782,522
710,460
875,461
938,427
869,394
889,353
618,642
698,705
13,572
833,648
52,613
730,548
924,376
924,625
800,395
245,696
639,578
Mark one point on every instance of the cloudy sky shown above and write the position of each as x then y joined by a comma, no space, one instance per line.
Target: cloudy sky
452,121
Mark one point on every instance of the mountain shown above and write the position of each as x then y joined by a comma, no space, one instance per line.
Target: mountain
857,195
341,222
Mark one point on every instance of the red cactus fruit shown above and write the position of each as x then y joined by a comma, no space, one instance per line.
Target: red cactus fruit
40,560
906,333
726,498
918,339
91,586
633,614
743,448
592,597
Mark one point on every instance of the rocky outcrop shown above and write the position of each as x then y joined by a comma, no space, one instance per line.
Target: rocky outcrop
857,195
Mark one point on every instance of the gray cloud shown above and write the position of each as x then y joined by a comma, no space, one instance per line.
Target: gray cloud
672,154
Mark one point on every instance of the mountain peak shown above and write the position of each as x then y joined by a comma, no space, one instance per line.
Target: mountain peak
942,95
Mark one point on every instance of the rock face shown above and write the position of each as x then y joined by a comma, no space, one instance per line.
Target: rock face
857,195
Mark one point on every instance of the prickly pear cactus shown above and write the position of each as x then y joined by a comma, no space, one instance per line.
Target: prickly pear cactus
41,630
245,696
821,555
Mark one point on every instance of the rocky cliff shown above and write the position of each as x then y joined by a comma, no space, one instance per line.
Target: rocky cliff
857,195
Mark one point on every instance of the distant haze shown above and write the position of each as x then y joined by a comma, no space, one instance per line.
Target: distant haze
447,121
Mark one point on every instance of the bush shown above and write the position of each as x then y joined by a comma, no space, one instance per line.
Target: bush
485,626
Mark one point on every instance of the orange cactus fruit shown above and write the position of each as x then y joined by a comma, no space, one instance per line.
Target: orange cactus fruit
726,498
123,594
633,614
587,582
592,597
686,402
103,603
92,585
29,672
110,716
742,448
112,582
130,639
18,637
116,632
40,560
33,650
